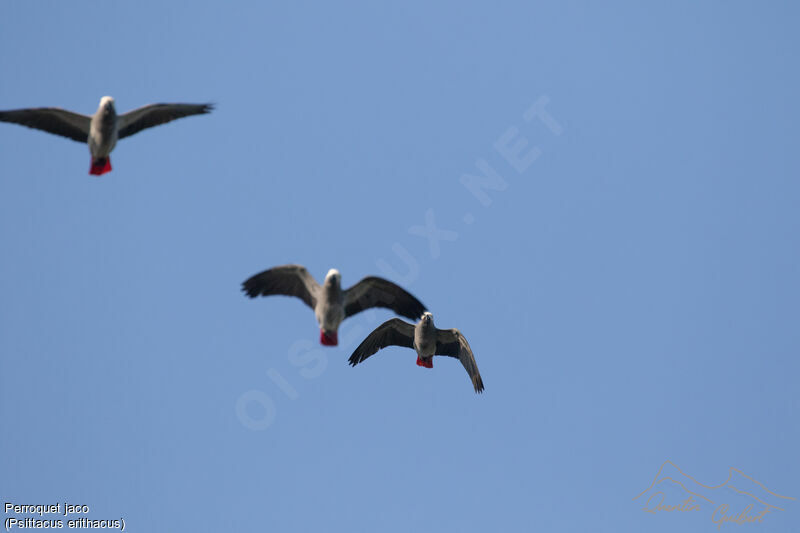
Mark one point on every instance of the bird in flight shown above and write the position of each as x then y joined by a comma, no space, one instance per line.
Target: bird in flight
426,339
331,303
103,129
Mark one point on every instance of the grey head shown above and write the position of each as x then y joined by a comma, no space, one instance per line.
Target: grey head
107,108
333,280
425,325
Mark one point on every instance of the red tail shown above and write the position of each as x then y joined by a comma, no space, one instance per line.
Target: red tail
426,364
329,338
100,166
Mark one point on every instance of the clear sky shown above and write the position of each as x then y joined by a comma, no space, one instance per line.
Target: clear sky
628,281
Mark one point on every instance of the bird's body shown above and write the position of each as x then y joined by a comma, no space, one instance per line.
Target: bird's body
102,130
329,310
426,339
103,134
331,303
425,342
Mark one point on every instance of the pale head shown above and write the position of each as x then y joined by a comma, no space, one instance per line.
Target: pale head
333,276
107,102
427,318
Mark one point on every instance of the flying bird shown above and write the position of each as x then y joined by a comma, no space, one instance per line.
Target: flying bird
426,339
331,303
102,130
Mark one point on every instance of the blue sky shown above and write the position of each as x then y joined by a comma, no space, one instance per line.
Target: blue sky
630,293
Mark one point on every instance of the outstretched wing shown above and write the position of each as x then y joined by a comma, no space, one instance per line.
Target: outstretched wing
52,120
156,114
378,292
286,280
451,342
393,332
